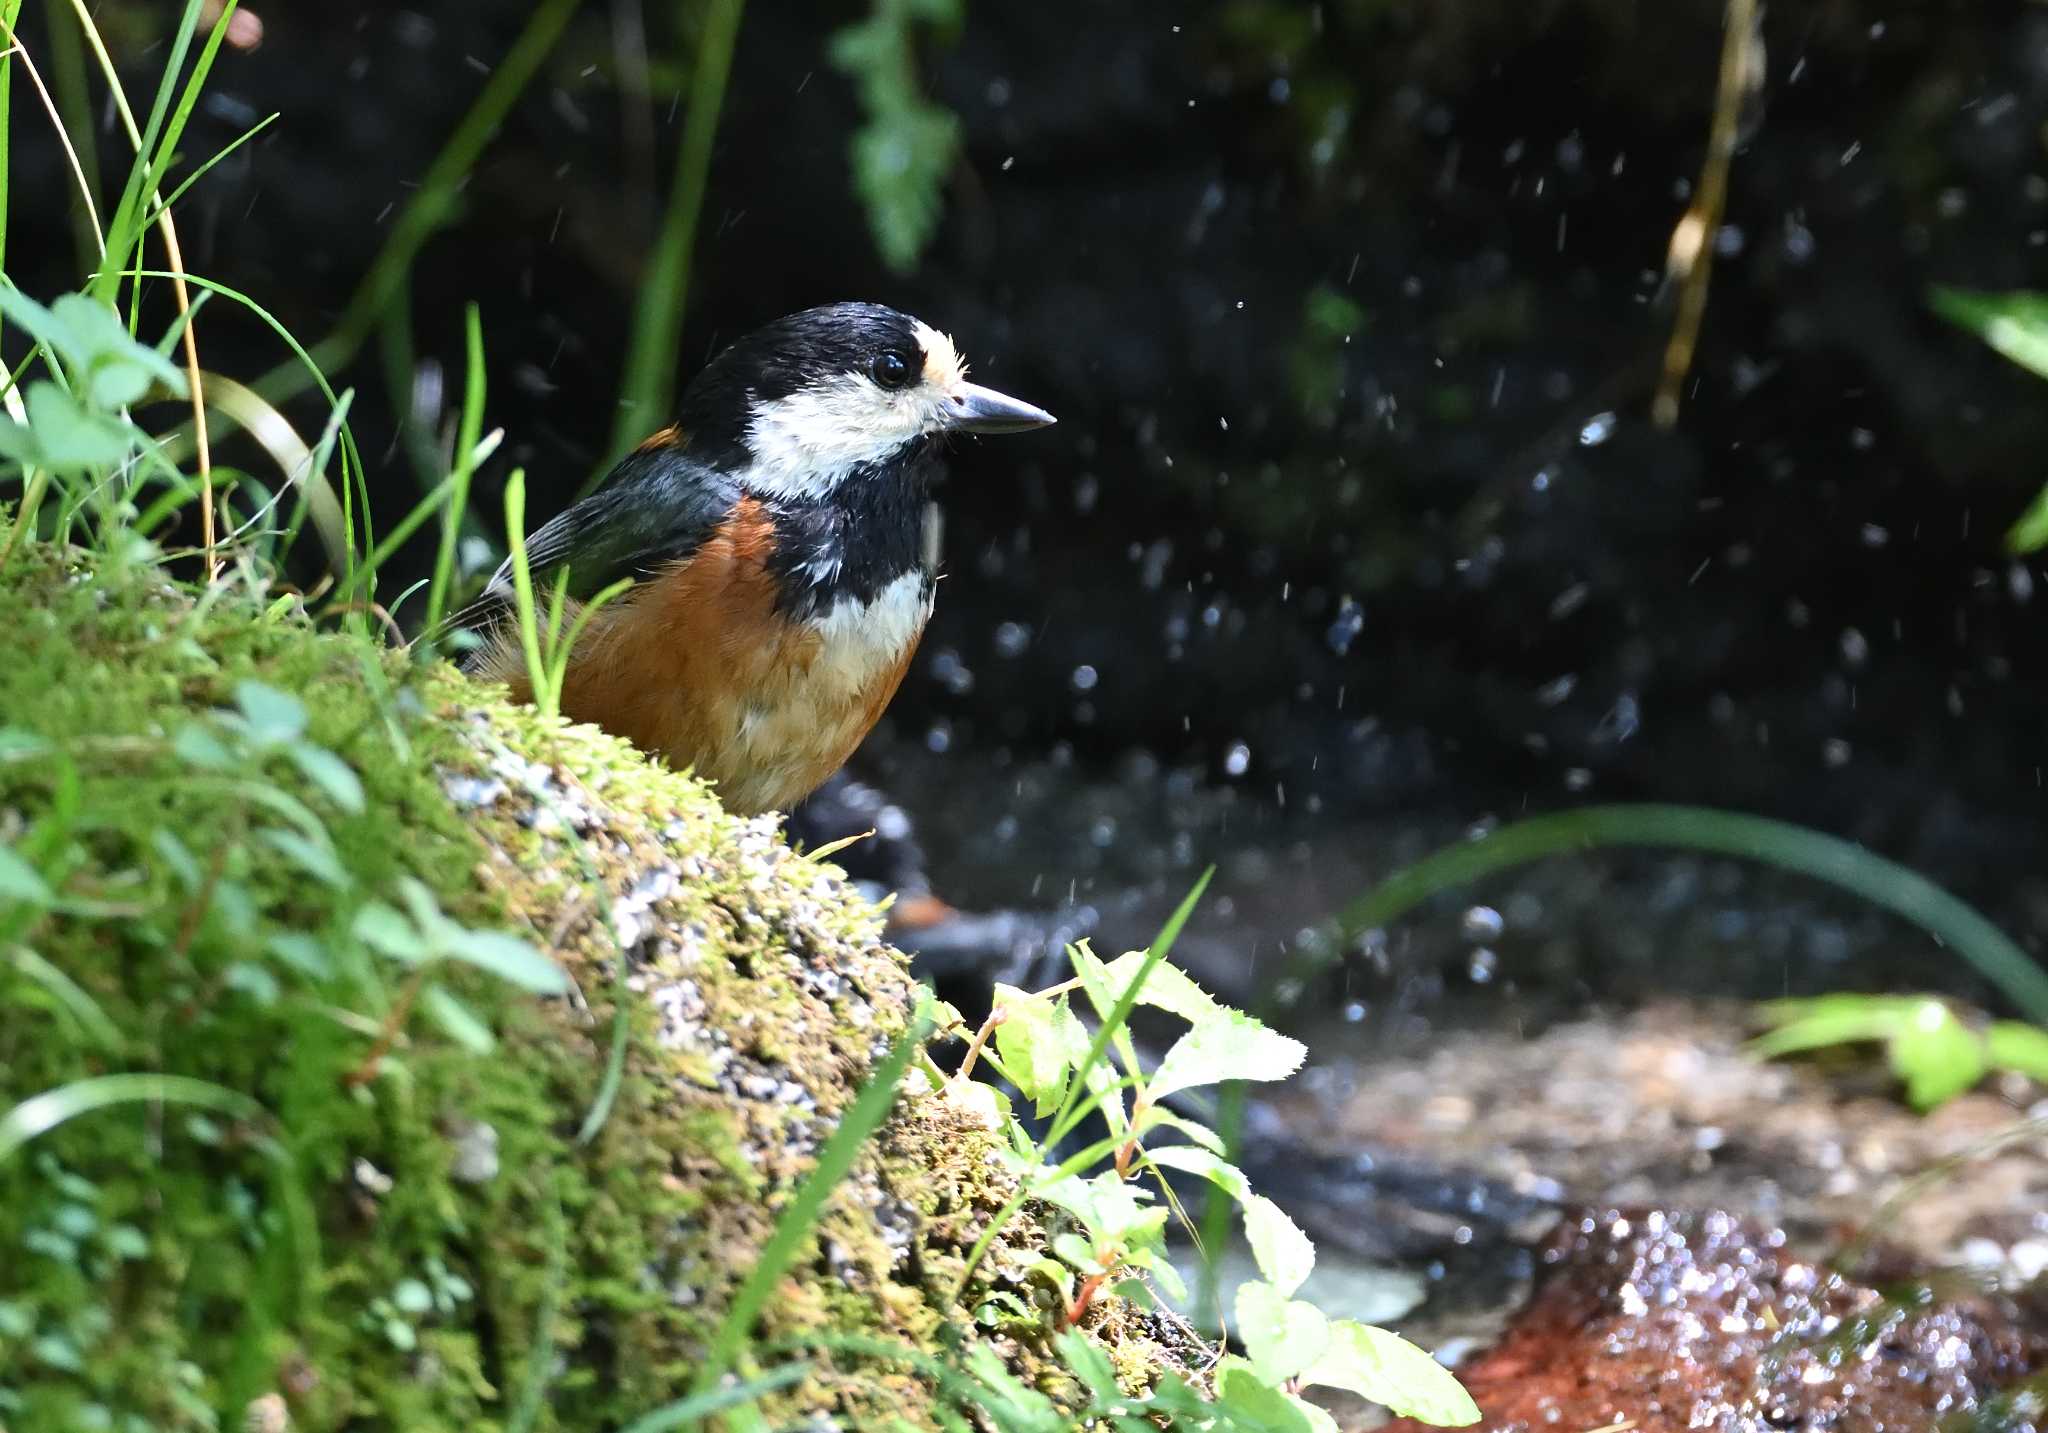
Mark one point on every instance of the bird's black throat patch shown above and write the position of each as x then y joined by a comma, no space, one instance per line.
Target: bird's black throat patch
855,541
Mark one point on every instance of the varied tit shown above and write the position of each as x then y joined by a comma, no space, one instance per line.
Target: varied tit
776,537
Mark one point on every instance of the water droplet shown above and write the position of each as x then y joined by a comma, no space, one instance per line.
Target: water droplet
1482,966
1084,678
1481,924
1012,638
1238,760
1355,1011
1344,630
1597,430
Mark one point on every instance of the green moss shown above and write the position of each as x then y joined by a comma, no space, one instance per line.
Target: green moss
466,1234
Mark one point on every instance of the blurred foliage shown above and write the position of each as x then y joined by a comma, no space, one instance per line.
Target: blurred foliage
2016,324
1932,1051
902,154
1330,319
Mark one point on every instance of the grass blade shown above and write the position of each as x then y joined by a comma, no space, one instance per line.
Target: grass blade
647,387
465,466
697,1406
1697,828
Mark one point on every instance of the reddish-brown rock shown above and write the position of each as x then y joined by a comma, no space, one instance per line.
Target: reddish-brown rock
1672,1323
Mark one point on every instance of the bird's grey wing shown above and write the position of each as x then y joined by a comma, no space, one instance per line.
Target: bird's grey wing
655,508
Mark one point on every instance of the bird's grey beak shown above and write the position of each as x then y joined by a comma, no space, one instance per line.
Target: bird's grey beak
974,409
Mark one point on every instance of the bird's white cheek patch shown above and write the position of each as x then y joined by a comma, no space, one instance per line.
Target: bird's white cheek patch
806,444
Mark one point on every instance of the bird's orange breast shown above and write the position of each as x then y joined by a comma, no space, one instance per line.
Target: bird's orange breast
698,665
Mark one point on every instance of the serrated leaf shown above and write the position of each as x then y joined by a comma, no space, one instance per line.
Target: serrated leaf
1281,1335
1227,1046
510,959
456,1020
21,882
1167,988
331,774
1284,1254
1386,1369
274,717
1031,1046
2022,1049
315,858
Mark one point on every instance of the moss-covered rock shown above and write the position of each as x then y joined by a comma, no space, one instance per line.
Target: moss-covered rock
344,1211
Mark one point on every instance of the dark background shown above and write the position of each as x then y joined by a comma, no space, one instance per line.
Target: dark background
1354,531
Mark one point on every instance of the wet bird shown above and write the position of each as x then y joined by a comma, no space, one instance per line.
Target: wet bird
775,535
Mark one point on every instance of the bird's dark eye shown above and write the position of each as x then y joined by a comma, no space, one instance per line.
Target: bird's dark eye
889,368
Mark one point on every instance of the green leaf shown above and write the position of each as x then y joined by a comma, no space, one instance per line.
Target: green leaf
1193,1159
1159,1117
69,438
94,340
196,746
456,1020
1936,1055
1112,1210
1167,988
1386,1369
386,931
301,952
19,881
1825,1020
2020,1048
1228,1046
1284,1254
274,717
331,774
2015,324
2029,531
1162,1270
1089,1364
1252,1405
510,959
315,858
1319,1419
1281,1335
1033,1045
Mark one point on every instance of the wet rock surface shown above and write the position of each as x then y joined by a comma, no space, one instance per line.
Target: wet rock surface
1500,1163
1654,1322
1657,1107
